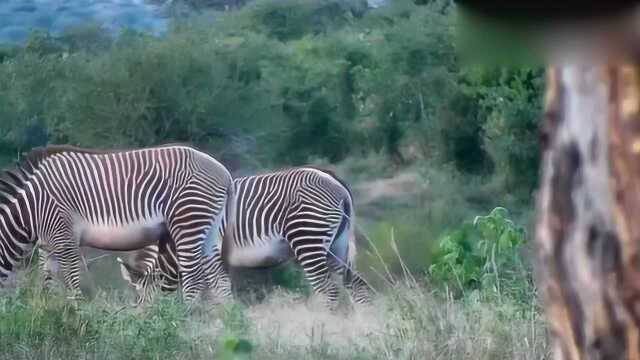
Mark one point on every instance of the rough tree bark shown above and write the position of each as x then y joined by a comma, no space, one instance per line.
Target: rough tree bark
588,230
588,226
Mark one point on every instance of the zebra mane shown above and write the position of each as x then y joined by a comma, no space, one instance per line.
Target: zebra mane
40,153
14,180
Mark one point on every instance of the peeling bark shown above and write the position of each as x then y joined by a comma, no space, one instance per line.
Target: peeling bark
587,240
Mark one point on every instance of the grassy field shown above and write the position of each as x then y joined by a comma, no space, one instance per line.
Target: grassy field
413,316
406,321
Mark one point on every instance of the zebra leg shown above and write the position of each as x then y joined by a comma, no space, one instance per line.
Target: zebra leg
218,281
190,217
189,242
167,263
311,254
357,286
157,274
189,265
49,267
68,256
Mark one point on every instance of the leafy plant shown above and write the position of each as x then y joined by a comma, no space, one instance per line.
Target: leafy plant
279,83
483,255
233,347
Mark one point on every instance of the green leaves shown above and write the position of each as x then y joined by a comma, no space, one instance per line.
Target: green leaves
483,255
280,83
233,345
457,260
234,348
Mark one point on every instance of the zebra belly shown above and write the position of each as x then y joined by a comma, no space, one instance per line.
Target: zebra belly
269,253
120,238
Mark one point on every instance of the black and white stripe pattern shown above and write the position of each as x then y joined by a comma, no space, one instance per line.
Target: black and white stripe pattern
304,212
147,273
112,200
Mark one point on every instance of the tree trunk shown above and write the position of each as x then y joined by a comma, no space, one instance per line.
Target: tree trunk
588,230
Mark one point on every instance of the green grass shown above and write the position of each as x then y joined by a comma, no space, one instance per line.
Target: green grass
406,321
35,324
409,319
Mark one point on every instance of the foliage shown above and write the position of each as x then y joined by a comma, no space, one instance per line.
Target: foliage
234,319
235,348
508,102
291,277
277,84
293,19
233,344
484,255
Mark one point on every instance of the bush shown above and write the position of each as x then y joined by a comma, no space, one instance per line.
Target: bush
486,256
279,84
509,101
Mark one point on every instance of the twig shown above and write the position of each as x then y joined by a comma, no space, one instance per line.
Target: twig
97,258
118,311
384,278
495,270
405,270
384,264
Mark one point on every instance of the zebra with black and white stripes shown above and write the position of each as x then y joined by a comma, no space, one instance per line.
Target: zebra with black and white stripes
66,197
304,213
147,273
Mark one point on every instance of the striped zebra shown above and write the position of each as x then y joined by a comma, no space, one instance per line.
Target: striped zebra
147,273
305,213
66,197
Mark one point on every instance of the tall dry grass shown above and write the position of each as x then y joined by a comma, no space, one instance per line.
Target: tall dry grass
406,320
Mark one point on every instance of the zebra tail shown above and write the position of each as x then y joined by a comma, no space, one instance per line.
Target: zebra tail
227,244
351,248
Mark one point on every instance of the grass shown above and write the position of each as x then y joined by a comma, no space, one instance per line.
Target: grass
407,320
34,324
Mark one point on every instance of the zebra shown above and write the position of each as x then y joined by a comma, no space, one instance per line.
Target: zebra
66,197
147,273
305,213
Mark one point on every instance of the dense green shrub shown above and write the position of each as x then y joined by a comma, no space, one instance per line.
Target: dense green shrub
293,19
278,84
508,102
484,255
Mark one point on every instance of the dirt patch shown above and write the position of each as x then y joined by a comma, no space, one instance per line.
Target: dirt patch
401,186
298,323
